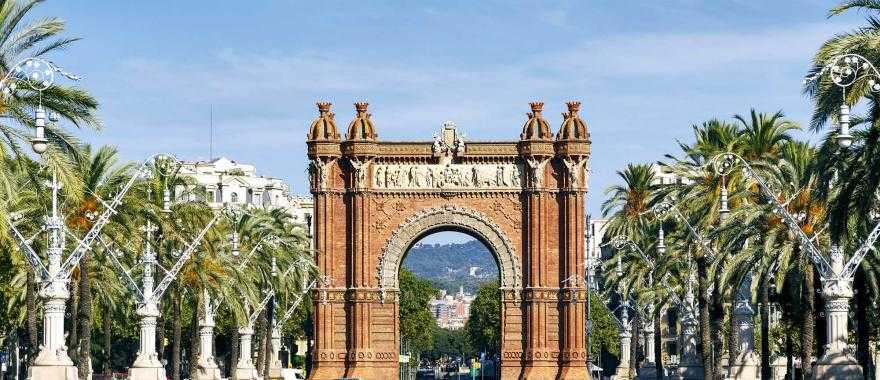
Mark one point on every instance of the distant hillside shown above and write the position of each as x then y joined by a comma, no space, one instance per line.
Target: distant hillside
449,265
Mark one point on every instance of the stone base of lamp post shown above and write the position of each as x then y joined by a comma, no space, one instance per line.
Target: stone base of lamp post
837,363
244,373
245,369
837,367
274,361
286,374
208,371
206,368
59,372
745,367
142,373
147,365
778,368
622,373
691,365
53,362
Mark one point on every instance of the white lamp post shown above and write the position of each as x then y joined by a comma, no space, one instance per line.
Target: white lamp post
53,361
836,276
147,365
207,364
625,326
845,71
691,368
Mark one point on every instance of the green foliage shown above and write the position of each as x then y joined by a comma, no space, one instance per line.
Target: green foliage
605,335
450,343
416,321
484,324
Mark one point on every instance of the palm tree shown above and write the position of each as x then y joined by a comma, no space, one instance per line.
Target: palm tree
776,252
855,170
629,203
39,38
100,176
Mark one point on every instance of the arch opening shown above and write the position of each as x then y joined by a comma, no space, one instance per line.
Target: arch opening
452,259
449,218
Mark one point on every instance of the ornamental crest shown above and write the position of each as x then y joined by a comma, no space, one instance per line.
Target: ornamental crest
448,143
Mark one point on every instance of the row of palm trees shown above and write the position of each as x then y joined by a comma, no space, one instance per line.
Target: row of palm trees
832,192
90,177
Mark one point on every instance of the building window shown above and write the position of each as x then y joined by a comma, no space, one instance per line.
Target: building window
218,196
249,198
234,197
267,201
211,194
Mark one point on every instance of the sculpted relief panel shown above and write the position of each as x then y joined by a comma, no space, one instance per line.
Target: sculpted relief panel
450,177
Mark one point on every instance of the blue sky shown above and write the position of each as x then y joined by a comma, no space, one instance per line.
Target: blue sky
645,71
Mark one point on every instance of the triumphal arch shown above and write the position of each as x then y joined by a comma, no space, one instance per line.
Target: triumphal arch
524,199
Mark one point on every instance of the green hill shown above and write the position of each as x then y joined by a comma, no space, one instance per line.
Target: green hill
448,266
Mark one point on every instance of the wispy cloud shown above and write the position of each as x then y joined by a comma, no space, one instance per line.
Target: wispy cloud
684,54
266,97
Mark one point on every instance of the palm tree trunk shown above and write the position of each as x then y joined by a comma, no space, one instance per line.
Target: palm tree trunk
267,342
85,318
234,351
716,313
107,325
73,336
194,347
309,347
658,344
634,343
732,329
31,300
160,335
789,354
177,334
765,328
261,333
808,326
705,323
863,350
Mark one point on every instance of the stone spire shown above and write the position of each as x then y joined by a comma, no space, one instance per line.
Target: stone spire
361,128
573,127
324,127
536,127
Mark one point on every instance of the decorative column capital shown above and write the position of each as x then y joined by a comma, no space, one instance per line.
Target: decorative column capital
837,288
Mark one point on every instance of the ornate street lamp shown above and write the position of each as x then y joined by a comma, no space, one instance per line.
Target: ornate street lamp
845,71
836,276
690,365
149,294
53,362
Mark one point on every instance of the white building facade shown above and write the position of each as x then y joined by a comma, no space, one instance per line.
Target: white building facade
227,182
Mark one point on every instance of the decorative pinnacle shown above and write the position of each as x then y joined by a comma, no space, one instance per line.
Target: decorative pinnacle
324,107
537,107
573,107
361,107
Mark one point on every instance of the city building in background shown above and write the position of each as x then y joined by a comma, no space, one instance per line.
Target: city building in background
228,182
662,176
452,311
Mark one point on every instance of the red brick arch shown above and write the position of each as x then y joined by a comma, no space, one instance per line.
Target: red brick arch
445,217
374,199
